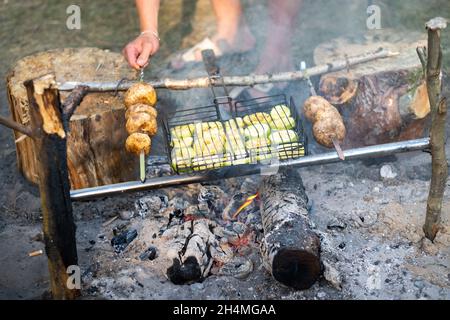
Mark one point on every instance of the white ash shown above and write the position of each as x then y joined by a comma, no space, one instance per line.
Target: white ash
382,257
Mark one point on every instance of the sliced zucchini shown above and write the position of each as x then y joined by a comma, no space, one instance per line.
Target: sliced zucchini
260,130
282,137
280,111
183,131
257,118
182,143
285,123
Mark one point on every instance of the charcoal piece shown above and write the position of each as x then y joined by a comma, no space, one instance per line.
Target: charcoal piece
150,254
121,241
120,228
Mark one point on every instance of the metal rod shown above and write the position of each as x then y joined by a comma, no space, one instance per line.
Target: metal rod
173,181
234,81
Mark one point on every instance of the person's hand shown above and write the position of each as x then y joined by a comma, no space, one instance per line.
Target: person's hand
139,51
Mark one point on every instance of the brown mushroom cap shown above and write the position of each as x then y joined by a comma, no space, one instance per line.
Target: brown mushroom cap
140,107
313,105
140,93
138,142
328,129
142,122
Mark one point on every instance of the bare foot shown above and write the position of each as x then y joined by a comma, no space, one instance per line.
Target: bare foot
271,62
241,43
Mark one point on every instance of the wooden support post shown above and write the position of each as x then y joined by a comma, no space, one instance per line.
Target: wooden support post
432,63
51,152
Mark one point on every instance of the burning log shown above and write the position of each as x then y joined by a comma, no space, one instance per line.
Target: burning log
96,134
290,249
380,102
194,250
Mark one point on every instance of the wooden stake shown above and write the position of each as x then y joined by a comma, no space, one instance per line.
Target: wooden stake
54,187
338,148
432,63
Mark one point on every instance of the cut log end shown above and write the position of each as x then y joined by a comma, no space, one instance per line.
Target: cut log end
187,272
438,23
298,269
338,90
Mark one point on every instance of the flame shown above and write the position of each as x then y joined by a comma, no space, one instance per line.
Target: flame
245,205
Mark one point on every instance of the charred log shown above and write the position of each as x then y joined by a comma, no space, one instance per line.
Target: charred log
290,249
51,145
192,258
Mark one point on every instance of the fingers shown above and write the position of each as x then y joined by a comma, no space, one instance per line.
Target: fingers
131,55
139,51
144,56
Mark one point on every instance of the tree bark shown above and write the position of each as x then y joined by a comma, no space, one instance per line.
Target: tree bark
290,249
51,144
432,63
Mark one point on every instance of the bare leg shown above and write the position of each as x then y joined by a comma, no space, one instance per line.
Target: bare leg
277,52
231,25
232,32
276,55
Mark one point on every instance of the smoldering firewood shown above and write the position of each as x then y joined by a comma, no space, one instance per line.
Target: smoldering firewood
194,249
290,249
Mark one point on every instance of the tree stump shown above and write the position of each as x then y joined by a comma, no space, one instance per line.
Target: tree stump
381,101
96,154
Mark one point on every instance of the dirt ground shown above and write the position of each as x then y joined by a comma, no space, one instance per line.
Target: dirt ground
370,226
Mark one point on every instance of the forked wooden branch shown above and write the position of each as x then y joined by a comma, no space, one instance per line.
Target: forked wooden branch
432,63
16,126
72,102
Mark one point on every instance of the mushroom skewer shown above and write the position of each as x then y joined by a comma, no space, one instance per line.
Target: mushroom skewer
141,121
334,139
